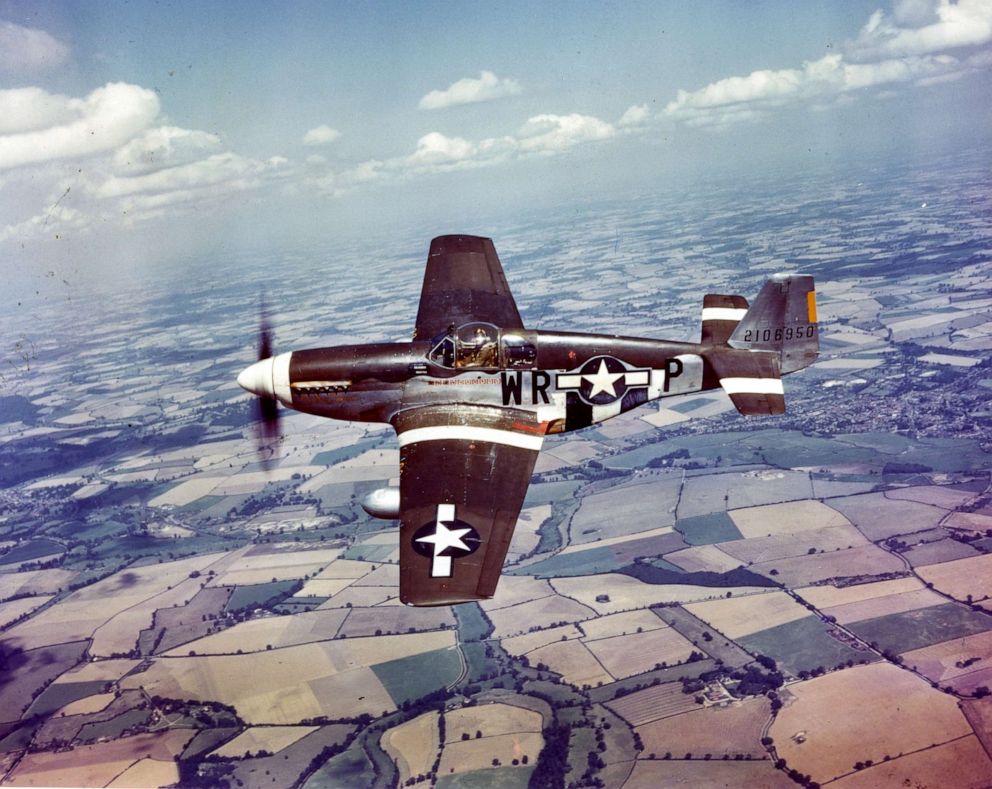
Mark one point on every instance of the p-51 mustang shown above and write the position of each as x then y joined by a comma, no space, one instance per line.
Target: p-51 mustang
474,394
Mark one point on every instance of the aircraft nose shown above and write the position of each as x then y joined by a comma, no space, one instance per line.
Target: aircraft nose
257,378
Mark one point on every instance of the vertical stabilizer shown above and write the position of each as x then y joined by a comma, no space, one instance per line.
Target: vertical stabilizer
782,319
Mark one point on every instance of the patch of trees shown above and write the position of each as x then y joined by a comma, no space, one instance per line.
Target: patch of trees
552,762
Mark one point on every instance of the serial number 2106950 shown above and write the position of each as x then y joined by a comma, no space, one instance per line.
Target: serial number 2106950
779,334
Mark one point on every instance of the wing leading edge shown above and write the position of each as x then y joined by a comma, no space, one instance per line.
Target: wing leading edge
464,472
464,282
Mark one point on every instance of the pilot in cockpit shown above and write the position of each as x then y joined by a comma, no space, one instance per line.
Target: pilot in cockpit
479,350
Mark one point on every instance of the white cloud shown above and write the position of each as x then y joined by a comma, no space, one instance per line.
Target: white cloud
322,135
919,27
107,118
910,46
162,147
468,91
541,135
551,134
24,49
29,109
637,115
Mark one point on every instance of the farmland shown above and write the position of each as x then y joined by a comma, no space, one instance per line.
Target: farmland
173,610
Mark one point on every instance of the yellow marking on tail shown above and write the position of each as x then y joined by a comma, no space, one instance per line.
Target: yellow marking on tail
811,306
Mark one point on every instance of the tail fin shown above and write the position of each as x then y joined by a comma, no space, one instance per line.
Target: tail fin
782,319
721,314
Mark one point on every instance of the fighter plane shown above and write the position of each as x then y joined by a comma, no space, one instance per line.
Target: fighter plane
475,393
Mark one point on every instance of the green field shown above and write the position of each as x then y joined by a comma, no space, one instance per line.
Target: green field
369,552
802,645
495,778
34,549
207,740
57,695
595,560
255,595
549,492
914,629
472,623
411,677
113,728
351,768
708,529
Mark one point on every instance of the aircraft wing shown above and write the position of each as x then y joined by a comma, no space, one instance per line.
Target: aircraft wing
464,282
464,472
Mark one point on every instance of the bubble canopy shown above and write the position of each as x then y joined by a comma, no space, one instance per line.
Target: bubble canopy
482,346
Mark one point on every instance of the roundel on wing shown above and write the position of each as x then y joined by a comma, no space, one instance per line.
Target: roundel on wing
454,538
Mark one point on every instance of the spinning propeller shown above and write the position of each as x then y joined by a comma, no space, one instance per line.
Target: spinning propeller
260,380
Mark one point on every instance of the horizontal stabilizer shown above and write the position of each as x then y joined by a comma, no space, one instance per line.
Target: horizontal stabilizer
752,379
721,314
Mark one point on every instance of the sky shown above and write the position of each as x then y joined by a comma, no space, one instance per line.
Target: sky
134,134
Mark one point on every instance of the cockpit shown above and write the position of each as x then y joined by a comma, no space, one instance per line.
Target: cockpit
483,346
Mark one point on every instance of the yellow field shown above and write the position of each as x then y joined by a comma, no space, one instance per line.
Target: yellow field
515,589
88,705
626,592
324,587
34,582
80,614
508,733
961,577
99,671
537,613
664,774
491,720
829,596
938,496
149,773
525,537
120,634
345,568
573,660
360,596
717,730
463,757
187,492
937,662
521,645
969,520
882,606
99,764
263,738
624,656
793,516
15,608
641,535
742,616
413,746
866,712
703,558
259,568
620,624
283,686
962,764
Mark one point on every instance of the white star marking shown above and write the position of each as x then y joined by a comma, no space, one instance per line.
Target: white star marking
444,538
603,380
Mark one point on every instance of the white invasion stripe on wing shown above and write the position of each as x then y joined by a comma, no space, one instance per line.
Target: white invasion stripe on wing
752,385
723,313
470,433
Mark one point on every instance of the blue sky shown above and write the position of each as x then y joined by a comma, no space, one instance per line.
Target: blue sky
132,133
